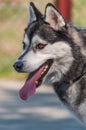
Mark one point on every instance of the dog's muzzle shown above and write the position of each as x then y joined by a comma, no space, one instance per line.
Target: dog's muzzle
18,65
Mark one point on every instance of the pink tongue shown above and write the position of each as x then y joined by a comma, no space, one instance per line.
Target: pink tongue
30,87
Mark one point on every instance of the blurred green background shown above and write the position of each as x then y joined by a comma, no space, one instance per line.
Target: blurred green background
13,20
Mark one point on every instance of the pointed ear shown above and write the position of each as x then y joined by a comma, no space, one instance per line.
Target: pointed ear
35,14
53,17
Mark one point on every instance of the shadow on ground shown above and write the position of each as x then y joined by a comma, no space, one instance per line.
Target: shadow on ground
42,111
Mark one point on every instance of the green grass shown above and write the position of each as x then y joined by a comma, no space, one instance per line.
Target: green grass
10,12
79,12
8,34
13,20
11,32
6,69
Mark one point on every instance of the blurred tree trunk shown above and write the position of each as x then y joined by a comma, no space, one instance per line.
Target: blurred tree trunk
65,7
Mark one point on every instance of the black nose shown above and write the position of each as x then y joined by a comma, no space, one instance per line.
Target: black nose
18,66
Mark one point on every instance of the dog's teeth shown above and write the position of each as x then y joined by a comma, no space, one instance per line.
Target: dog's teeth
46,66
36,82
42,73
44,69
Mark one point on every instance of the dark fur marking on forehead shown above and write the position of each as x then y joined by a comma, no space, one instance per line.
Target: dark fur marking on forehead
32,28
46,32
50,35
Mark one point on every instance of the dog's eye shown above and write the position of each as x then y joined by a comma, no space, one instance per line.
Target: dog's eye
40,46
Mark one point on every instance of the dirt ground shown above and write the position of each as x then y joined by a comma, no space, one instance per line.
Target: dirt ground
43,111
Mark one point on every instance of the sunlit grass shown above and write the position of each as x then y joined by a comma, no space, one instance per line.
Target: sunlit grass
79,12
12,23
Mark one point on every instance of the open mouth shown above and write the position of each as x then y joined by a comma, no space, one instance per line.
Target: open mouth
34,80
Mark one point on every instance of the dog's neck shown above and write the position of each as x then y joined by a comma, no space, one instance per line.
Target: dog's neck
78,67
77,70
73,64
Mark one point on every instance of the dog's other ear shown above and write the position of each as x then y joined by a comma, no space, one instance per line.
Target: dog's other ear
35,14
53,17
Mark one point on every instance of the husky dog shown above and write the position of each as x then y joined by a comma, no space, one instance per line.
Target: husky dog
54,50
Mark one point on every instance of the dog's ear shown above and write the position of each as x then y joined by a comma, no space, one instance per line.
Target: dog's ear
35,14
54,17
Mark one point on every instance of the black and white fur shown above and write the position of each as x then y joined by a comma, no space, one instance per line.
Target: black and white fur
66,45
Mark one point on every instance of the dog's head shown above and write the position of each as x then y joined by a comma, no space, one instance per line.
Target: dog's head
44,47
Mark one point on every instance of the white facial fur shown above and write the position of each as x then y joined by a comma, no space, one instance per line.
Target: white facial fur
26,40
60,51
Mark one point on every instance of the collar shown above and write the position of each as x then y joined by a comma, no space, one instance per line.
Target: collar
78,78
